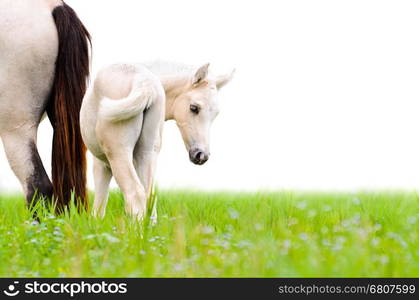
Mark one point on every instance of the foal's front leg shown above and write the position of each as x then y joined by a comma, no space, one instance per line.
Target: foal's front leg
145,165
148,148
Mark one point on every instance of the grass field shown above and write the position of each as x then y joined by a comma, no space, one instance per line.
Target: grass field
221,234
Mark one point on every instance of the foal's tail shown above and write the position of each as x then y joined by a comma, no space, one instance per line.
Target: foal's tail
137,101
71,75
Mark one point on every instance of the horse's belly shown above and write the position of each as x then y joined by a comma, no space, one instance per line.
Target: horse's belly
28,50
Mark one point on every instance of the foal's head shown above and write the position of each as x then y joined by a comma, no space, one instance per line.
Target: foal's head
195,109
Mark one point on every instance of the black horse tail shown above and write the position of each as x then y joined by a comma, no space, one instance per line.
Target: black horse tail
70,83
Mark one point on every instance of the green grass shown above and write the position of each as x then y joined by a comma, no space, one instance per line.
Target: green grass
220,234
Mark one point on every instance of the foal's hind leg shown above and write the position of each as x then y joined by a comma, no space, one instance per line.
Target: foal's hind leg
124,172
23,157
118,141
102,176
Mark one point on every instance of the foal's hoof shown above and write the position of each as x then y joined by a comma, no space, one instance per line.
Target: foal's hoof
98,215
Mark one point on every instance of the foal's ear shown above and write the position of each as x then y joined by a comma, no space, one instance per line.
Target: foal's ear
200,75
222,80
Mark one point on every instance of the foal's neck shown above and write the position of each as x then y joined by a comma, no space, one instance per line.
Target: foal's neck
173,85
175,78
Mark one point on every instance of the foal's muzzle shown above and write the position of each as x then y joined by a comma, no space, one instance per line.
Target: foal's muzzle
198,157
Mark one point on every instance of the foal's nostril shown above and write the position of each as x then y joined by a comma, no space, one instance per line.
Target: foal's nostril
200,156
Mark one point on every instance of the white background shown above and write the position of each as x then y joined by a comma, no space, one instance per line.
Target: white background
326,93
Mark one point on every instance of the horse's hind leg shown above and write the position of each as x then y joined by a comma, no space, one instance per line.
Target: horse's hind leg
24,159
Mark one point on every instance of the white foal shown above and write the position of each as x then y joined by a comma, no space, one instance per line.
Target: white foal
122,119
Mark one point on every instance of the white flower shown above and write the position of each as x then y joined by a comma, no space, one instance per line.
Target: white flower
302,205
286,244
327,208
234,214
207,229
303,236
356,201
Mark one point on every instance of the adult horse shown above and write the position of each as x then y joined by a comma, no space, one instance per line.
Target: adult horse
44,65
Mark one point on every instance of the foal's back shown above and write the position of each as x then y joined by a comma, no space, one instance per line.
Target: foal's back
116,81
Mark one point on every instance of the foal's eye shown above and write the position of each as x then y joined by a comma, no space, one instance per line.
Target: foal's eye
194,108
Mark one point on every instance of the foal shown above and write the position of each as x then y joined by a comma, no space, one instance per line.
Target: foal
122,120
